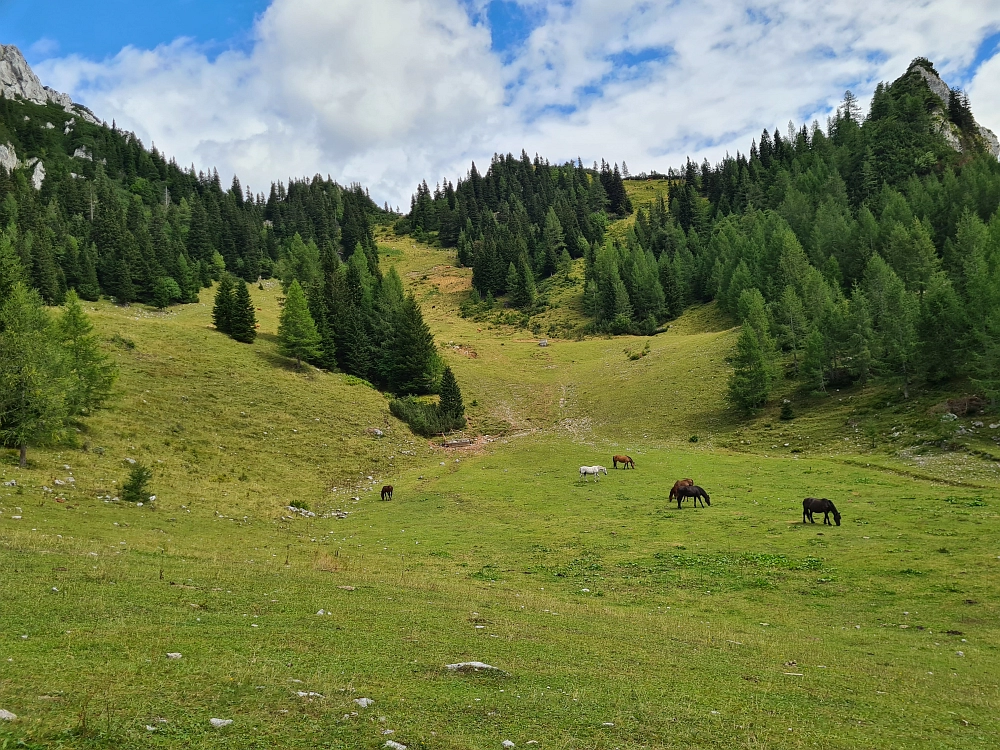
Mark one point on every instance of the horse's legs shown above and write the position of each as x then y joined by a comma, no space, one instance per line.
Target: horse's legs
811,519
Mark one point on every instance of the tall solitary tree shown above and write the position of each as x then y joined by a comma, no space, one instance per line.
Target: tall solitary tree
243,317
297,334
451,404
222,313
90,374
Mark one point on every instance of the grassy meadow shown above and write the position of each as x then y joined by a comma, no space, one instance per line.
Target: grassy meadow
618,620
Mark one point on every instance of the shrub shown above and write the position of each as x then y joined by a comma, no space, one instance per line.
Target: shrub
136,489
423,418
786,410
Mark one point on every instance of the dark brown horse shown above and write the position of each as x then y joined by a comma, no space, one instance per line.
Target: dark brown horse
677,485
387,492
819,505
625,461
695,492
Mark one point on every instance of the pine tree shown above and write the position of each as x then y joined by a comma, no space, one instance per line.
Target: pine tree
814,360
451,397
414,357
242,318
297,334
91,374
33,383
222,313
752,376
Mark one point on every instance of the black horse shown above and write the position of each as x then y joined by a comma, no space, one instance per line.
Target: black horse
819,505
692,491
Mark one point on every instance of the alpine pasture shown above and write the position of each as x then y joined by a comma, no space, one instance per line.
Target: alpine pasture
617,620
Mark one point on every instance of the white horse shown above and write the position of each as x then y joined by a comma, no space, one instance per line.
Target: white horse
595,470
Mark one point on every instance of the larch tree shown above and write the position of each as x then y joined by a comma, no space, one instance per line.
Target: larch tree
90,374
297,334
33,381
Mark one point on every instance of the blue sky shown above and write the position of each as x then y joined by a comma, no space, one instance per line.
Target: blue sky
99,29
390,92
43,28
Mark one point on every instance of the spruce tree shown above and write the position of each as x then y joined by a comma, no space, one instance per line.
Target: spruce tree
414,356
222,313
297,334
243,318
451,397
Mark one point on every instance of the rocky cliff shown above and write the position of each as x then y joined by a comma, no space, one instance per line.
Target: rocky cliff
946,128
18,81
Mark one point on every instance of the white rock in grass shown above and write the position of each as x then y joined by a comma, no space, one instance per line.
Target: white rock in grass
393,745
473,666
309,694
174,655
321,612
150,729
220,722
364,702
507,744
7,715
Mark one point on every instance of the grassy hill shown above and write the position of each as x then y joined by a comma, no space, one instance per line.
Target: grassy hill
620,621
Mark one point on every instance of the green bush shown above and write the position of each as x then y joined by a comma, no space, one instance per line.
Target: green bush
136,489
423,418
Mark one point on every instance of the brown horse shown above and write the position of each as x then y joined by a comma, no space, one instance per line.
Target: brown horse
695,492
625,461
819,505
387,492
677,486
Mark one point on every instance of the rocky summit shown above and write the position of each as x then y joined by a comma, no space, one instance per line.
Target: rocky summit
18,81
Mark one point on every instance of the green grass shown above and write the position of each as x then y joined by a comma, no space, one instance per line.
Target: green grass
730,626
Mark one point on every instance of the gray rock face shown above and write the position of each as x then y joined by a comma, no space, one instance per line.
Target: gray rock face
8,158
18,81
943,92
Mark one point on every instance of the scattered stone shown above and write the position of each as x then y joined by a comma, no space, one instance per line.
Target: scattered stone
309,694
543,342
301,511
949,417
364,702
321,612
220,722
7,715
508,744
468,667
346,588
387,732
11,483
608,724
959,653
392,745
174,655
150,729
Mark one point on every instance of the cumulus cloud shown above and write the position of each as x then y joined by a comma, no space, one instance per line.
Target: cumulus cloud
389,92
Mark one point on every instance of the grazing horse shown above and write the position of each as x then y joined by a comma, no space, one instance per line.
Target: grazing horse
387,492
677,486
625,461
585,471
695,492
819,505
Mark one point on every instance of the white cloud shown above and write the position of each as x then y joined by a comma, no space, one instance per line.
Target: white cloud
388,92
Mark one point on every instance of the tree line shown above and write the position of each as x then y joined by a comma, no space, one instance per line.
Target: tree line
523,221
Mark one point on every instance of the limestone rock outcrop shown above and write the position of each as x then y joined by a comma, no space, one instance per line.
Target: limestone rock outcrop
18,81
946,128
